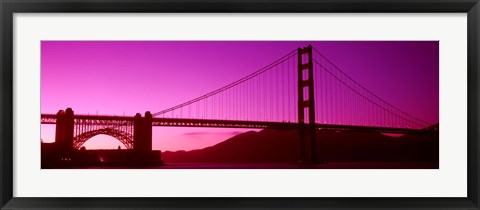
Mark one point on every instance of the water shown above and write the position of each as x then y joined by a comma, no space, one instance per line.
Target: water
332,165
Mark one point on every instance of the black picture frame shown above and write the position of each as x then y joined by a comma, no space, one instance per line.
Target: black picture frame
9,7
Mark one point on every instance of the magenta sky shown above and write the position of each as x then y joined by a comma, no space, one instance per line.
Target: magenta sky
126,77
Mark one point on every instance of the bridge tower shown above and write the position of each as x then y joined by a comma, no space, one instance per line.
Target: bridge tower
64,131
306,106
142,132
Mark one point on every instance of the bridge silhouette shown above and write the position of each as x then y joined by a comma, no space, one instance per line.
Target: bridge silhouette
302,90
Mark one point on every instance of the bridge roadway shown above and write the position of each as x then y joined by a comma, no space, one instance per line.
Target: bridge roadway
185,122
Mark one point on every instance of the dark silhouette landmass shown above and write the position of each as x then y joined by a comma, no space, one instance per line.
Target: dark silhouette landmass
281,146
52,158
268,148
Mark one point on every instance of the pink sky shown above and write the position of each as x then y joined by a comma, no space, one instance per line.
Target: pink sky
126,77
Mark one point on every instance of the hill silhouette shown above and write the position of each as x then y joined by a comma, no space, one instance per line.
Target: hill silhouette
281,146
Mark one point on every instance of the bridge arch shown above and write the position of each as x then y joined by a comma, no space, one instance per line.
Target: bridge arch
125,138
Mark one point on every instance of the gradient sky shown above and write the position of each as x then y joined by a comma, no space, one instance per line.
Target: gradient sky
126,77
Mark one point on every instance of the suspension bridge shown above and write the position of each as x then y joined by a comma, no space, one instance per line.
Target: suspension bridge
302,90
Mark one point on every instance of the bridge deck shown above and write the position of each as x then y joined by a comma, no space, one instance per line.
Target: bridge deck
174,122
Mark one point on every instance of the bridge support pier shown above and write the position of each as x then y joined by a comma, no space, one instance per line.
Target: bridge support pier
306,106
64,131
142,138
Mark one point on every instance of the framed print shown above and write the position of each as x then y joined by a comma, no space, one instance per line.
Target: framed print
239,105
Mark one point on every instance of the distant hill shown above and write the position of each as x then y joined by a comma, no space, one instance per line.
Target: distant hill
274,146
434,127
